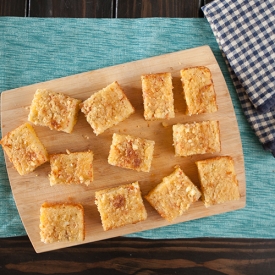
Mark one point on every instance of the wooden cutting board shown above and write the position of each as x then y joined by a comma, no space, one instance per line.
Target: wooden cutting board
32,190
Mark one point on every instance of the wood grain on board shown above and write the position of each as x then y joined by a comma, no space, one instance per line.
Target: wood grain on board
32,190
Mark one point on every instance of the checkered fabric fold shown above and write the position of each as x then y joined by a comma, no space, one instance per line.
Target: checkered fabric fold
245,32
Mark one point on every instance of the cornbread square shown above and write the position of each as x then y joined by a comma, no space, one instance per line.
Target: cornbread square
61,222
54,110
218,180
24,149
158,99
131,152
120,206
107,108
196,138
71,168
198,90
174,195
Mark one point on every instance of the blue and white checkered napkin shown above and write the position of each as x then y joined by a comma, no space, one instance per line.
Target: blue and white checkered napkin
245,32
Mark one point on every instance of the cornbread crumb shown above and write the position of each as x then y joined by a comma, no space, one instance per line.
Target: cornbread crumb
158,96
198,90
71,168
107,108
196,138
24,149
61,222
54,110
174,195
120,206
131,152
218,180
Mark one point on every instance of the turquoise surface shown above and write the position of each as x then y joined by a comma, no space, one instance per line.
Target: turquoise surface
35,49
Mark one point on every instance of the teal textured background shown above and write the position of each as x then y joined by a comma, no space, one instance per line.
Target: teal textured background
35,49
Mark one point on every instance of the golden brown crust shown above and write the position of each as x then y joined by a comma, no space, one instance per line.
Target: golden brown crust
120,206
218,180
196,138
198,90
158,96
71,168
107,108
61,222
131,152
24,149
174,195
54,110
